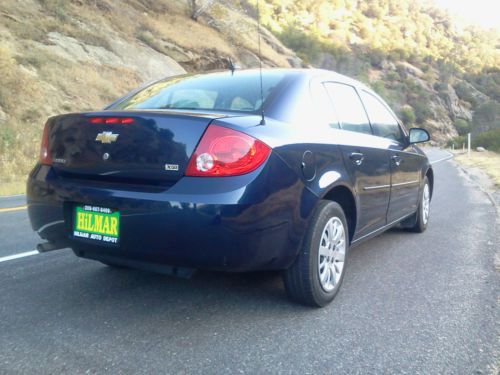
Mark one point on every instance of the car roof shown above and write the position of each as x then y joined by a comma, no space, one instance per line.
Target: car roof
327,75
298,72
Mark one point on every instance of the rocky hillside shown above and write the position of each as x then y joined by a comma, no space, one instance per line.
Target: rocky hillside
59,56
435,70
71,55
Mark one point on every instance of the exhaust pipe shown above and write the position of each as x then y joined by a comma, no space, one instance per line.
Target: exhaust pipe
50,246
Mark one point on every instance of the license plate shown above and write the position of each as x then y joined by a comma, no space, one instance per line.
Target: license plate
97,223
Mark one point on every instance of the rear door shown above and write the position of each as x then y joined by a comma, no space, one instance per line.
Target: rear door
366,157
405,161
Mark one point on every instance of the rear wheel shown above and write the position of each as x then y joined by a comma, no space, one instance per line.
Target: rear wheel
316,275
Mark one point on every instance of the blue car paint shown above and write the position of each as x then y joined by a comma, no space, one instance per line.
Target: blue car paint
227,223
255,221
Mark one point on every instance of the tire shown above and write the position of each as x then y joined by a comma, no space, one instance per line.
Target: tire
421,218
315,277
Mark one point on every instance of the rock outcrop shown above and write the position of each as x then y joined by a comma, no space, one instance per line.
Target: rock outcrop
456,108
147,63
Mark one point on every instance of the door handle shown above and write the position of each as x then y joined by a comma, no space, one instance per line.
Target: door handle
397,160
357,157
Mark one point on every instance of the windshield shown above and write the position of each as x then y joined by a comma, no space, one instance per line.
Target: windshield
224,91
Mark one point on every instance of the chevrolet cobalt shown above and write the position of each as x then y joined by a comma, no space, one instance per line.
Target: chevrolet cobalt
226,171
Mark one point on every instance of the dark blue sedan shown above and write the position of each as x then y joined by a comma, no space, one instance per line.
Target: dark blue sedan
214,171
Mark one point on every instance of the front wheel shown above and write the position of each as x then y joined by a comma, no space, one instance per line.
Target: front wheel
316,275
423,211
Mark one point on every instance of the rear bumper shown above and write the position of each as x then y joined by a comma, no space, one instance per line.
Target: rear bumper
250,222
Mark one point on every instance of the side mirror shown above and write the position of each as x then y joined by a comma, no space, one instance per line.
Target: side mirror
418,135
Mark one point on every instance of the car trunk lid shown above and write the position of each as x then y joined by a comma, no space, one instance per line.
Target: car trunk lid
126,146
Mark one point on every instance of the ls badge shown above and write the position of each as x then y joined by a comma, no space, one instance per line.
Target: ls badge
171,167
106,137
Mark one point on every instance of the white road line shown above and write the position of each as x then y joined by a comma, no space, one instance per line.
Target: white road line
20,255
442,159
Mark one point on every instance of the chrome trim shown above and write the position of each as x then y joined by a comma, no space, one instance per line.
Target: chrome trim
406,183
376,187
381,229
49,225
409,153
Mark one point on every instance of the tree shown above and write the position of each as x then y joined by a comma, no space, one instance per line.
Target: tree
198,7
462,126
489,140
486,117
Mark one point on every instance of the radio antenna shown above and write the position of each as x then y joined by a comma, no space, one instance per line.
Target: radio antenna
262,120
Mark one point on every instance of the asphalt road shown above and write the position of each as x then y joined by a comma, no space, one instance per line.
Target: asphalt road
410,303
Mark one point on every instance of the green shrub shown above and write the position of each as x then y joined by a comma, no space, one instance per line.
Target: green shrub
376,58
379,88
487,117
458,142
391,76
464,93
306,45
403,75
489,140
145,35
462,126
421,109
407,115
440,87
7,138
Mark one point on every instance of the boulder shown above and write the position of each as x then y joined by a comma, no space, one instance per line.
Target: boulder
480,149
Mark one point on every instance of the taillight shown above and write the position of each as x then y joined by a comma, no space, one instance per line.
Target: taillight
226,152
45,156
111,120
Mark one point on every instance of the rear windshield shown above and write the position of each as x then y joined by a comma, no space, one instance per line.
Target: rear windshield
224,91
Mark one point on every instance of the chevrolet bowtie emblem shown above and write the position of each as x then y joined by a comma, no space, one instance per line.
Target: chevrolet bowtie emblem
106,137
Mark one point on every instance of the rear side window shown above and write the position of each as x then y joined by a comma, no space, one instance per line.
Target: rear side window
227,91
323,106
384,124
349,108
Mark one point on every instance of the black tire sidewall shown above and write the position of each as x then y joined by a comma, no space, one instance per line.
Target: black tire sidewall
420,226
329,210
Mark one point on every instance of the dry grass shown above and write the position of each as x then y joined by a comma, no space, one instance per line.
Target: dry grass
13,187
36,83
90,87
242,32
488,161
20,132
187,33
